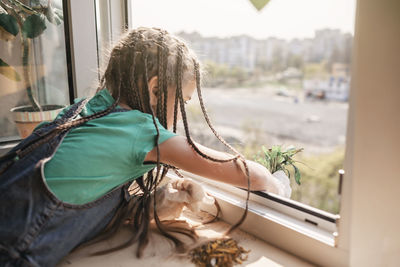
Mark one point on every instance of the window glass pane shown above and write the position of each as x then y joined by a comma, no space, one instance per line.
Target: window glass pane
46,61
279,76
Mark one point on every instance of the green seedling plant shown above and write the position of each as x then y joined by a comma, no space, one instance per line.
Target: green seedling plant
276,158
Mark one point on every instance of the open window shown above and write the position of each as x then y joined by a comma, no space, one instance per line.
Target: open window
273,77
279,76
367,221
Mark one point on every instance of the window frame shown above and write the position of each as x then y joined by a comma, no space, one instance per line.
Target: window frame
84,61
373,229
278,215
7,143
80,25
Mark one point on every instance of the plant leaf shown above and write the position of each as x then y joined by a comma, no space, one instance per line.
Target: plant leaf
259,4
9,23
9,71
296,174
287,173
59,13
276,158
24,7
34,25
52,16
290,148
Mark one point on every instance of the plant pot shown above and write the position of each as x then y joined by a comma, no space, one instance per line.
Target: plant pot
26,119
285,189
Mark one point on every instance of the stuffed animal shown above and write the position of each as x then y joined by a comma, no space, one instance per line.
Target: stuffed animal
179,193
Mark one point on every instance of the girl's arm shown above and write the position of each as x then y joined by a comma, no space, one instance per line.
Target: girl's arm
176,151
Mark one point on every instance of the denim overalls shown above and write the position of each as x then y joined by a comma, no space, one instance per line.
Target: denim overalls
36,228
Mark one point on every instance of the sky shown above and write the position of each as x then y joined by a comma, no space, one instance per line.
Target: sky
285,19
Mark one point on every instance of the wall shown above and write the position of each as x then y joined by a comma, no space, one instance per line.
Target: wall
374,131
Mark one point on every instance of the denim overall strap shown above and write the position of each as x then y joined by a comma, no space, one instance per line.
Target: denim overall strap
36,228
7,160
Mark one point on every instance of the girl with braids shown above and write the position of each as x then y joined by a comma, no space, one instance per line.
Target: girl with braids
69,181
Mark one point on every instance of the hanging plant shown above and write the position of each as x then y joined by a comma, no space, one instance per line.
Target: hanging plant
29,22
259,4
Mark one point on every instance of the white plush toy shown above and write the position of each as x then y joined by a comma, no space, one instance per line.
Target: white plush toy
181,192
178,193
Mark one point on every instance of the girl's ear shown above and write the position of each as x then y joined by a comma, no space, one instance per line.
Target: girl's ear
153,90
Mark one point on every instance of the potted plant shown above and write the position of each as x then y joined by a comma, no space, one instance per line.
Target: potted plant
277,160
27,22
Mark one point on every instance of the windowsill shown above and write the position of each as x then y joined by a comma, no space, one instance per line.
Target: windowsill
273,211
263,232
278,224
266,213
159,253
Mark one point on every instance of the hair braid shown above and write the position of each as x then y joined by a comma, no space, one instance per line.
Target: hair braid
205,114
176,103
136,97
145,81
138,40
159,84
165,231
152,53
184,117
165,81
102,82
151,185
133,98
162,94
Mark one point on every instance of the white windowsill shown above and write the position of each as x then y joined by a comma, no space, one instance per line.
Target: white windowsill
277,224
274,216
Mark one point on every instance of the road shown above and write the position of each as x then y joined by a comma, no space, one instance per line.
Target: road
316,123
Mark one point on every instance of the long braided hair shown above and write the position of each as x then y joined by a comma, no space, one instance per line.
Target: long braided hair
145,53
140,55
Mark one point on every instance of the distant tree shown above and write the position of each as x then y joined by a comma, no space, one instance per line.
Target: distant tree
262,66
295,61
334,57
238,74
221,75
315,70
347,49
277,63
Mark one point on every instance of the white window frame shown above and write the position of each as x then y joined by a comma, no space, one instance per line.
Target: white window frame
88,48
83,45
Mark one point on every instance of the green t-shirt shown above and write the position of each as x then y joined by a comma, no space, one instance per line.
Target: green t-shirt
103,153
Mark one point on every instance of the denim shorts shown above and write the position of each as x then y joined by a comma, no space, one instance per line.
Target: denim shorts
36,228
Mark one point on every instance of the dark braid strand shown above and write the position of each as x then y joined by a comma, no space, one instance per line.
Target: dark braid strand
199,95
141,56
184,117
165,82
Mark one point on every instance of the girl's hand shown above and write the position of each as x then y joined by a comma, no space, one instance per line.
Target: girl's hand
284,187
262,180
177,152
